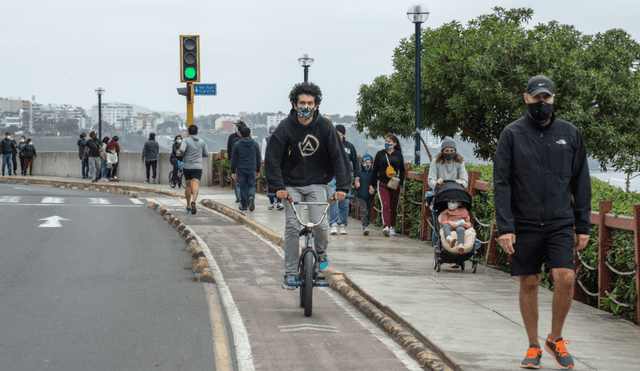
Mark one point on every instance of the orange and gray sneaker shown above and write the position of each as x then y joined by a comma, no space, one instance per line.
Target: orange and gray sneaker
532,359
559,351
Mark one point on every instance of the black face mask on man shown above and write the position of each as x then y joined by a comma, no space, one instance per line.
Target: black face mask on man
540,111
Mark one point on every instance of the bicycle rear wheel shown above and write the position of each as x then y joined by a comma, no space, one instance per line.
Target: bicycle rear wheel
171,183
308,284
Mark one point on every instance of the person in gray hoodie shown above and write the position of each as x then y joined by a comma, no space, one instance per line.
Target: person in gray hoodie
150,156
193,150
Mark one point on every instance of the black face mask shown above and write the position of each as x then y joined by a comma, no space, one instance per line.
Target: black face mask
449,156
540,111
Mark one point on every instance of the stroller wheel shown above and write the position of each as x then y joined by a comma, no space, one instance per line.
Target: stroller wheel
438,265
462,265
474,267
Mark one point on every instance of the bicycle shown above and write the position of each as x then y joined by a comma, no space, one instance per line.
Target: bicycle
180,171
308,265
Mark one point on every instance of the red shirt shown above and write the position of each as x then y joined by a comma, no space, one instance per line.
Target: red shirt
454,215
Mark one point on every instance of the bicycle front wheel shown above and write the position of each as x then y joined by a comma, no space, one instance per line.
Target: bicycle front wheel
171,183
308,284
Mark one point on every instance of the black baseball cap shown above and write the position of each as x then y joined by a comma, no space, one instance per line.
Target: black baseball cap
539,84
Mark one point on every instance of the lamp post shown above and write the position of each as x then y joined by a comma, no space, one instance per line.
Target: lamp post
418,14
306,62
100,91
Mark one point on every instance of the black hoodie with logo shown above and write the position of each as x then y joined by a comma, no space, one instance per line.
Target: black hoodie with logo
537,169
300,155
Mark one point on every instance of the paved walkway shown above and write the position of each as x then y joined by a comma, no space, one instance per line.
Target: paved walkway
473,318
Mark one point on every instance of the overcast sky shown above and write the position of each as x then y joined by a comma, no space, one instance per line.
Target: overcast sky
62,50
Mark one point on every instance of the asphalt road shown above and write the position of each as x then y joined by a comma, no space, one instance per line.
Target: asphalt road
106,290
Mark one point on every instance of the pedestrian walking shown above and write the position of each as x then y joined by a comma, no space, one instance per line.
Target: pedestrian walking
113,158
543,205
233,138
82,142
302,156
176,156
21,145
8,149
103,146
194,150
15,156
28,154
245,168
387,179
272,200
365,199
150,156
339,211
93,153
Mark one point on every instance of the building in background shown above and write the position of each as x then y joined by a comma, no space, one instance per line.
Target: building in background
144,122
275,119
117,114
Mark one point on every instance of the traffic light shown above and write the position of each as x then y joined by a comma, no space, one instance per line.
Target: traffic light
189,58
187,92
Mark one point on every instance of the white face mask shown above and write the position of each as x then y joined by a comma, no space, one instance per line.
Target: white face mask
22,140
452,205
30,143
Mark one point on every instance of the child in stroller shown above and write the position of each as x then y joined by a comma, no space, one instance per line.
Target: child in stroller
450,251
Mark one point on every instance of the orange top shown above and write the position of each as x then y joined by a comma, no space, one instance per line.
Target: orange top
455,215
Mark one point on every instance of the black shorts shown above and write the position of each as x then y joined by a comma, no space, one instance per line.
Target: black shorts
552,246
192,174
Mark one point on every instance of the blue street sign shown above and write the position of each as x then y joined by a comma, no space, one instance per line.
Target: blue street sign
204,89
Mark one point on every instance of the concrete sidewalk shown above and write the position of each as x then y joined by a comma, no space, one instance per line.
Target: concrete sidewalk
473,318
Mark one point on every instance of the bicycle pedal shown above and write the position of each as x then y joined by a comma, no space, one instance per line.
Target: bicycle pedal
322,284
295,284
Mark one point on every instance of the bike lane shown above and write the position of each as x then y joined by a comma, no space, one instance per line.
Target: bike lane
280,336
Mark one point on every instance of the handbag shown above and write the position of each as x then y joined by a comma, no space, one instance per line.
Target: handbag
394,182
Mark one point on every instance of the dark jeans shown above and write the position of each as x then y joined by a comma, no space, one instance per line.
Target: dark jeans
113,172
6,162
247,183
85,167
22,164
151,165
15,164
366,204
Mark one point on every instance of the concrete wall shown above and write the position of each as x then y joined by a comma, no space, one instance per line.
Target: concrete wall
130,167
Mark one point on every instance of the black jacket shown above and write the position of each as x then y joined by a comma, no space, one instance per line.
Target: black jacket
233,137
7,146
352,156
28,151
301,155
174,148
536,171
380,164
245,156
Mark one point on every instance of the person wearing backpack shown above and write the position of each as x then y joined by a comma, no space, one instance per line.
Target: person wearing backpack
388,168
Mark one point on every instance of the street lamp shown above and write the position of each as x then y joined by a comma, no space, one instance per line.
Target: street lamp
100,91
418,14
306,62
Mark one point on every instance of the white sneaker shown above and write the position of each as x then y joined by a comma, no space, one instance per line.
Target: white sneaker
392,231
385,231
334,230
279,207
343,229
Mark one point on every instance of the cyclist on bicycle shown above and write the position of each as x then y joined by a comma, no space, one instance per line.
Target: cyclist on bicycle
176,156
303,155
193,149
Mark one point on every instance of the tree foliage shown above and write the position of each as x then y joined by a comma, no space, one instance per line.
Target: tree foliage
473,80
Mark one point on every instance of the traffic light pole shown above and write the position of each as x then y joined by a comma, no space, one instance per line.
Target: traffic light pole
189,106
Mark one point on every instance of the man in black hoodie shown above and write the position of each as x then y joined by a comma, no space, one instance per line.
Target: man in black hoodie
540,165
303,155
233,138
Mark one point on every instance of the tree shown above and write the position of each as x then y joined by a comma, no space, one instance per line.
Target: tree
474,77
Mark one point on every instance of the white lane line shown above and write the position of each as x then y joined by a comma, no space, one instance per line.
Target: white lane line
9,199
53,200
136,201
240,337
99,201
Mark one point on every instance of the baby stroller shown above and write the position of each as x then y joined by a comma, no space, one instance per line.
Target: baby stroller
179,175
450,190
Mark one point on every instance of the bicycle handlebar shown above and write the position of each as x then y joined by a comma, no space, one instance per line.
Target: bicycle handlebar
324,213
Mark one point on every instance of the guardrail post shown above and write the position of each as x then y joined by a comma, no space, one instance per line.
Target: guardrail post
636,245
491,246
604,246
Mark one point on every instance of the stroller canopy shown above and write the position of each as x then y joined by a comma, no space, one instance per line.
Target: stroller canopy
450,190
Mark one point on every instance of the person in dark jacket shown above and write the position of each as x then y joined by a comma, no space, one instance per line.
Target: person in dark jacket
23,142
303,155
28,152
150,156
540,165
365,199
391,155
233,138
176,156
93,153
82,142
245,168
340,210
8,150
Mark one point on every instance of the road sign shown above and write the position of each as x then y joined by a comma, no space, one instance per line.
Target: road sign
204,89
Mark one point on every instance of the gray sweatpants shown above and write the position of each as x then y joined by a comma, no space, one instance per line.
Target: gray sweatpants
95,167
311,193
459,231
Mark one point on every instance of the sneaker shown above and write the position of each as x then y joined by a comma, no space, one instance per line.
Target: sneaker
334,230
279,207
193,208
289,283
154,181
188,209
272,206
147,181
559,351
392,231
237,200
460,248
323,261
343,229
532,359
451,240
365,231
252,204
385,231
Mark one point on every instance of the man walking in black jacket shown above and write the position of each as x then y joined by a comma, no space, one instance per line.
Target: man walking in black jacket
245,167
540,164
303,155
8,150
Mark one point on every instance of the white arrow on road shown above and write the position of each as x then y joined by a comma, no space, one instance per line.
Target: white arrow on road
52,222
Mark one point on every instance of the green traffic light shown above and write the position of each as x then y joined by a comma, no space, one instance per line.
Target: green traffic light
190,73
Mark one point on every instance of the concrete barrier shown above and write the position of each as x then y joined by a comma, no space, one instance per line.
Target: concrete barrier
130,167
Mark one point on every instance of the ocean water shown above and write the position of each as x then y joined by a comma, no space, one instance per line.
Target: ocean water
617,179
